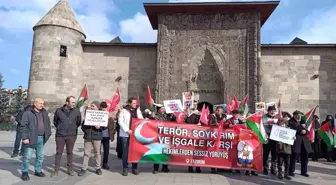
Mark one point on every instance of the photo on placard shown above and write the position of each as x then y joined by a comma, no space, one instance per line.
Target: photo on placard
260,106
187,100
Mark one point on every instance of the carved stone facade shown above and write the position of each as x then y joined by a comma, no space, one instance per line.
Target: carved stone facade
195,49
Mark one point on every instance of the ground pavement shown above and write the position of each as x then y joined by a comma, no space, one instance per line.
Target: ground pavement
321,172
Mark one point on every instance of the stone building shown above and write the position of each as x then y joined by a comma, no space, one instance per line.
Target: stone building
212,49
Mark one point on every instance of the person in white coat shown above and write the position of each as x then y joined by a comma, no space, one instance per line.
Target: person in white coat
126,115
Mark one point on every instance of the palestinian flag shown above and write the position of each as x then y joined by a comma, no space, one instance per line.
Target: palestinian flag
326,134
149,98
82,97
308,118
245,106
254,122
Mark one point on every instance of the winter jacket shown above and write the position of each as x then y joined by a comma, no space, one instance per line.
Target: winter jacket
214,120
193,118
268,122
29,126
283,148
301,139
67,121
91,132
18,117
231,122
124,121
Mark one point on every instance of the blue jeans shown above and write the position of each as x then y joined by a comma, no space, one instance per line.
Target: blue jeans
18,141
125,146
28,152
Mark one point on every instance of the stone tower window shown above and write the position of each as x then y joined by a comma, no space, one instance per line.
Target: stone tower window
63,51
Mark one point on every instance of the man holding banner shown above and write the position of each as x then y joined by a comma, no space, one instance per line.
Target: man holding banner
126,115
161,115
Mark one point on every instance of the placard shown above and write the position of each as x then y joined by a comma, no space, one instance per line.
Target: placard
260,106
163,142
172,106
188,100
283,134
96,118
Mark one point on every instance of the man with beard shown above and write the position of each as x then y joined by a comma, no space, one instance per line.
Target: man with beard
161,115
130,111
270,146
301,145
214,120
66,121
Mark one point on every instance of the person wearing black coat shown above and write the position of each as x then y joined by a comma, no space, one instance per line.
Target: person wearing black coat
316,144
327,152
301,145
17,141
194,118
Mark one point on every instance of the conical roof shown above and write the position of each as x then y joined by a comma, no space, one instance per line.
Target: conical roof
61,15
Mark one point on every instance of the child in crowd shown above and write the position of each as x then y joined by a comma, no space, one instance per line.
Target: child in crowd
284,151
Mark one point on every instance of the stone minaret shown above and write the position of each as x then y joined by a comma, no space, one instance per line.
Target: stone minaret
55,74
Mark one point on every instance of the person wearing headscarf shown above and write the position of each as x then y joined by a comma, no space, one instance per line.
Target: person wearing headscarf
325,150
301,144
269,120
316,144
284,151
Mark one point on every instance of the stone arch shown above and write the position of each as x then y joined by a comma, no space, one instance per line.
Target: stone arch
210,65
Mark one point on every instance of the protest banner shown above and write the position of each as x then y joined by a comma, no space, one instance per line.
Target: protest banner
188,100
172,106
163,142
283,134
96,118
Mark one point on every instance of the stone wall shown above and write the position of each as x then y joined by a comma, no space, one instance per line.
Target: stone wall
104,63
53,77
194,50
287,71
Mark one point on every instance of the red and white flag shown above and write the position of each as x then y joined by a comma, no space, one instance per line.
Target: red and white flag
205,115
233,104
112,105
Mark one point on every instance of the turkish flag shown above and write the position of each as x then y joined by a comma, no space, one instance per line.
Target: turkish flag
205,115
179,117
233,104
115,101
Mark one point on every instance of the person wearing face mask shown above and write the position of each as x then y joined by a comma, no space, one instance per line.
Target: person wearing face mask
301,145
269,120
316,144
326,151
286,116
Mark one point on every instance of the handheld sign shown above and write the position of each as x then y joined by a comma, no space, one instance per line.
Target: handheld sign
283,134
96,118
173,106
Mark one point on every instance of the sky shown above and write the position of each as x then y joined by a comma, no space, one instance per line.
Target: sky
312,20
